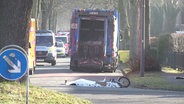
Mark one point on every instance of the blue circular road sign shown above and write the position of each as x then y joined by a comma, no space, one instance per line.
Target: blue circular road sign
13,64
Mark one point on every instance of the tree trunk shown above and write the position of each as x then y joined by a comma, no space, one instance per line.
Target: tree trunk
14,22
36,13
44,23
46,8
53,20
134,28
123,7
147,27
170,14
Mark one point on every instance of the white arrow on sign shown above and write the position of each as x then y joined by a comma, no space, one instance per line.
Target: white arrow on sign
17,69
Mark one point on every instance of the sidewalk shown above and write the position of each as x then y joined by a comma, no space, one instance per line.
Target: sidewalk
172,78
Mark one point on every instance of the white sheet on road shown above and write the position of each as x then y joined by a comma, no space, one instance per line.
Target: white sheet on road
90,83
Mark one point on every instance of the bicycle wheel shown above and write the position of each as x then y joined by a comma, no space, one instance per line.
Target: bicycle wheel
123,81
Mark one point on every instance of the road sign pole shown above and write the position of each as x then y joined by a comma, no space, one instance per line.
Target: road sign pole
27,88
14,64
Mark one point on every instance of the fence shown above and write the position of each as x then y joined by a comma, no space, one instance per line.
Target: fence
175,60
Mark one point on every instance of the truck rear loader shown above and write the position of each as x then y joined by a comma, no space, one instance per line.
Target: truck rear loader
94,40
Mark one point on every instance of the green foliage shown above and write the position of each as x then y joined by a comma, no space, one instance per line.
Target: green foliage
14,93
162,46
169,43
153,52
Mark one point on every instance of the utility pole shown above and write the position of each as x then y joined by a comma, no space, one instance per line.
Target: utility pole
142,53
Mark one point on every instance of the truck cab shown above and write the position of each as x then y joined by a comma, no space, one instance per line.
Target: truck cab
46,47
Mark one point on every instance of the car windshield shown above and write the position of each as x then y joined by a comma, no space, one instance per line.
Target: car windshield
59,44
44,41
61,39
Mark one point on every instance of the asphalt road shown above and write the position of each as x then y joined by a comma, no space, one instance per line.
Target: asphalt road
54,77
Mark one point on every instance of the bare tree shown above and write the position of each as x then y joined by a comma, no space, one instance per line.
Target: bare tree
125,26
59,11
171,11
164,14
46,9
134,11
14,22
36,13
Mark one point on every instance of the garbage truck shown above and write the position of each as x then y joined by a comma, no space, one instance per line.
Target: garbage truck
94,40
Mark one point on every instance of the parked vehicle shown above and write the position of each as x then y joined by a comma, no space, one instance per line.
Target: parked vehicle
61,52
32,47
46,47
64,37
94,40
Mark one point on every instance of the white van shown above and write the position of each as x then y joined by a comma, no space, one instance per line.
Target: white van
46,47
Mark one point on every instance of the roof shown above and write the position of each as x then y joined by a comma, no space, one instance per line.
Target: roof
44,31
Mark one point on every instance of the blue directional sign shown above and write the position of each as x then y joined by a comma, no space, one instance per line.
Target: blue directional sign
13,64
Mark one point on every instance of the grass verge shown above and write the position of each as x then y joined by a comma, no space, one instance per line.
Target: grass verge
156,80
151,80
15,93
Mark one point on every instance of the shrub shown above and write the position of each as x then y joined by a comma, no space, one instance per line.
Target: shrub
169,45
163,46
133,64
176,42
151,64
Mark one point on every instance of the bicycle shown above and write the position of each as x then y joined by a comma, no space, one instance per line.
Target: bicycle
122,81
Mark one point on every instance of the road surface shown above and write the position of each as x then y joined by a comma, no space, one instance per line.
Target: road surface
54,77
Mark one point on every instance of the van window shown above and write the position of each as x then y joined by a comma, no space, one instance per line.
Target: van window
44,41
